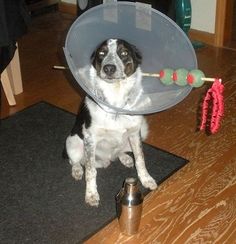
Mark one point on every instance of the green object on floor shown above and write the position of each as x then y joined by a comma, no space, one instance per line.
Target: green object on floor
198,44
183,19
183,14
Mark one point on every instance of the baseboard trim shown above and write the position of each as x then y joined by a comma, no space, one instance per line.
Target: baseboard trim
202,36
68,8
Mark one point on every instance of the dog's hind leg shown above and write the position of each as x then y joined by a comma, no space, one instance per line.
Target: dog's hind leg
75,151
144,176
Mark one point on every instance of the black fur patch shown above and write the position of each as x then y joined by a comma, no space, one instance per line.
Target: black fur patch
83,118
96,59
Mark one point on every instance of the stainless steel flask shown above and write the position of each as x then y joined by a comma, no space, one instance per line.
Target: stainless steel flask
129,206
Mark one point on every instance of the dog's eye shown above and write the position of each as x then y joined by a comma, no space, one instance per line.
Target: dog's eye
101,54
124,53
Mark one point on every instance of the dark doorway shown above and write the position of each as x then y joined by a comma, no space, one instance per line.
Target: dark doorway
234,23
230,24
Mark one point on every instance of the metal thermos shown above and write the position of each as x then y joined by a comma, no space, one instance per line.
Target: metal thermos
129,206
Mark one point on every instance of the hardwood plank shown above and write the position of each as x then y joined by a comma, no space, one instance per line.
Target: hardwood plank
68,8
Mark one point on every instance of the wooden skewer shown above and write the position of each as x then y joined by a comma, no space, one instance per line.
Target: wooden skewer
151,75
208,79
156,75
59,67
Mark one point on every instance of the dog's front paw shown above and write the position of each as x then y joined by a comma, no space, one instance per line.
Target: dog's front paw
77,171
92,198
126,160
149,182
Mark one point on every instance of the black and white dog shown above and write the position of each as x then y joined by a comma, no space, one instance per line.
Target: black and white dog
99,137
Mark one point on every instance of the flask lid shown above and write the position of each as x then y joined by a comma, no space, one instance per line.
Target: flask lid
131,181
132,194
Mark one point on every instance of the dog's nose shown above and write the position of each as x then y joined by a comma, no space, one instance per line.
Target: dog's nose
109,69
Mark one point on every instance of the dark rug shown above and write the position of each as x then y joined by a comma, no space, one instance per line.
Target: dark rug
40,201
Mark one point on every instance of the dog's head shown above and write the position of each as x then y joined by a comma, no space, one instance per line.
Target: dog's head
115,59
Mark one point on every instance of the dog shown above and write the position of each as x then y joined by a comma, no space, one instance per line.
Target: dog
100,136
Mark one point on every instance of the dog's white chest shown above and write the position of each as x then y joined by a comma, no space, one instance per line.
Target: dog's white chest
109,143
110,139
114,131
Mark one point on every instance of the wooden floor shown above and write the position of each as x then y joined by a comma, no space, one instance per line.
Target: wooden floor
198,203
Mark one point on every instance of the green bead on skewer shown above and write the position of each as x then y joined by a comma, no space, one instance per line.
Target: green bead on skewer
195,78
166,76
179,77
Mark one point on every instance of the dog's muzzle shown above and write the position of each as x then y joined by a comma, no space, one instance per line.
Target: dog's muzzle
110,73
109,69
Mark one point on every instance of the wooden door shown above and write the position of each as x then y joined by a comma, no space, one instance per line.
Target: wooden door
225,22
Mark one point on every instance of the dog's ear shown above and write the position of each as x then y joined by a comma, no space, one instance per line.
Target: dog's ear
137,54
92,58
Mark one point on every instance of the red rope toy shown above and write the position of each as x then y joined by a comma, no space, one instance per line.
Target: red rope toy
196,78
214,94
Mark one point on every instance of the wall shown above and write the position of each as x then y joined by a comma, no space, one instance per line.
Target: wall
203,15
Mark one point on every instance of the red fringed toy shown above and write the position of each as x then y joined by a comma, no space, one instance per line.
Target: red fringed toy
214,94
196,78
